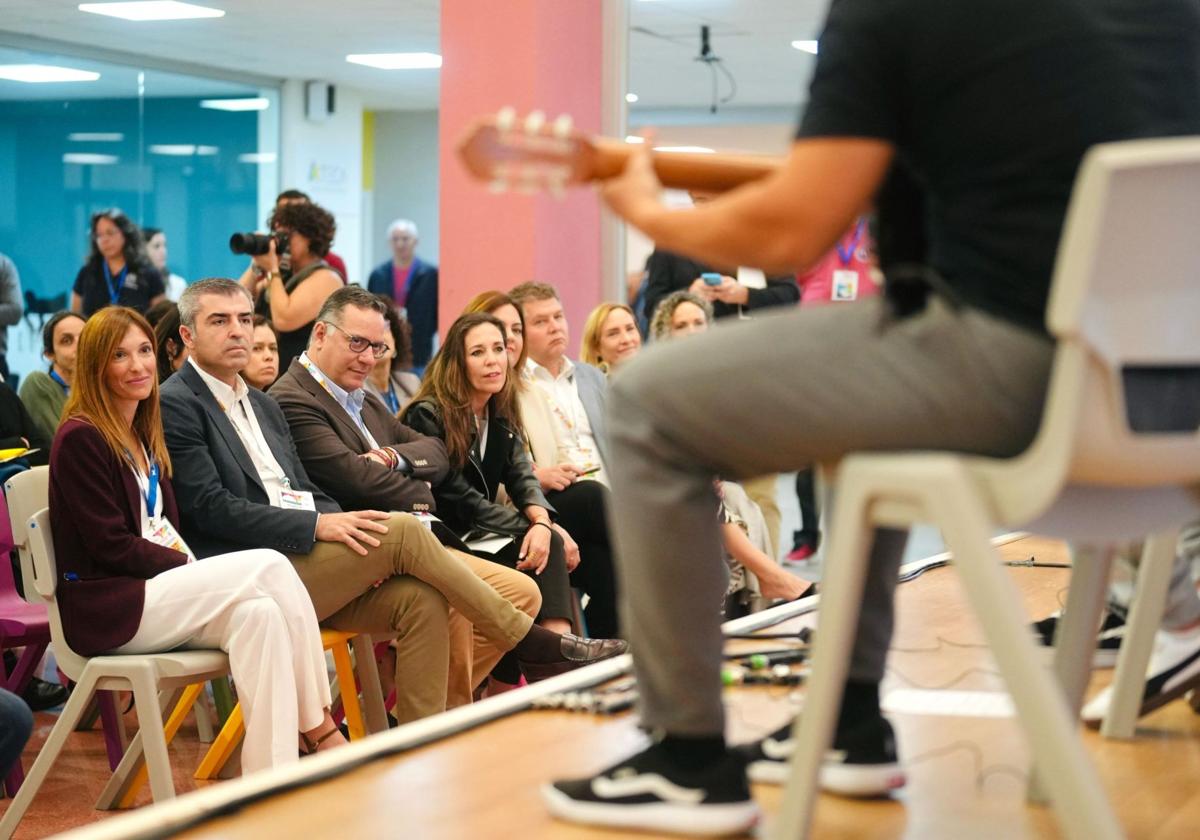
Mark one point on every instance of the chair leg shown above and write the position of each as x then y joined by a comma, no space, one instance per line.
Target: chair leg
840,598
1076,638
184,705
223,699
1083,810
70,716
345,675
222,746
112,722
204,718
122,780
1145,617
368,677
154,742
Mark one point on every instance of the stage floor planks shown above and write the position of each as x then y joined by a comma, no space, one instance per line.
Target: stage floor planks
966,774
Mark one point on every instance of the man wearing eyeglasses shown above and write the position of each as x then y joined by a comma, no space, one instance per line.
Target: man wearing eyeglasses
240,484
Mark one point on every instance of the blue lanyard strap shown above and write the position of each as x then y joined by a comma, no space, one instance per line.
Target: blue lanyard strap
54,375
114,289
150,494
846,254
393,402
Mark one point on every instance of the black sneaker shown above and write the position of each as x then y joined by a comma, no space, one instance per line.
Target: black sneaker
862,762
649,793
1108,641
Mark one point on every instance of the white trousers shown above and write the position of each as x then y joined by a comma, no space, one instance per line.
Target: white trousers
252,605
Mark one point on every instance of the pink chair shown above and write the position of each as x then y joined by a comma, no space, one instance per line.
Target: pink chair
21,625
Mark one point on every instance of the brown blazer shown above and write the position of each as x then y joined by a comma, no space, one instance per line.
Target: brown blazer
103,562
330,444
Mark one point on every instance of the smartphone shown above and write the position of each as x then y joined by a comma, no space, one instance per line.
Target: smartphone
711,278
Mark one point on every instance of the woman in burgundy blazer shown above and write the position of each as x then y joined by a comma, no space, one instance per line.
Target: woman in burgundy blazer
129,584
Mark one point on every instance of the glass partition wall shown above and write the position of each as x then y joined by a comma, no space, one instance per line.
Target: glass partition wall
194,157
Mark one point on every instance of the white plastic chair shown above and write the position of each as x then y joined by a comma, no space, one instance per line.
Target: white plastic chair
27,493
155,679
1125,295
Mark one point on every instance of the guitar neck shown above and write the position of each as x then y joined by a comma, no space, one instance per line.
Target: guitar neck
699,171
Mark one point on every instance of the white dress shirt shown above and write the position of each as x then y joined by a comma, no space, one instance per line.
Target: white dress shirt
572,429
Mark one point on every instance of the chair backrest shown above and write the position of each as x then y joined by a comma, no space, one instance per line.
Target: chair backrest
1123,406
45,582
27,492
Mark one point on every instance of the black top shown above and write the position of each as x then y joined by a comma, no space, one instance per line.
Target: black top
292,342
667,272
142,284
992,103
15,423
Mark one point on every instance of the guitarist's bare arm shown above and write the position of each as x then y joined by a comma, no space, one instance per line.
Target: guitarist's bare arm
782,223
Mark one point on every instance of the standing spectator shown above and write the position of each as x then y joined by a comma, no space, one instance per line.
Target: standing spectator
116,271
667,272
156,250
44,393
12,306
292,303
413,284
296,197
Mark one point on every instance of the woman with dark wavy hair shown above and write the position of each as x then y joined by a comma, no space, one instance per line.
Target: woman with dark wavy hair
467,401
117,271
292,302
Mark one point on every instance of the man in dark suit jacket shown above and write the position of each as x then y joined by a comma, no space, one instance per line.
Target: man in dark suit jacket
350,444
413,284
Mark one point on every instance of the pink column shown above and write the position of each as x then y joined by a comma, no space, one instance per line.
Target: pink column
530,55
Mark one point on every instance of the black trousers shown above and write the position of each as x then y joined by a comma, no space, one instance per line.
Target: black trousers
810,518
553,582
583,511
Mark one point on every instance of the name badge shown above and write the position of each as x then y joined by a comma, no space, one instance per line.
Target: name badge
845,285
160,531
296,500
427,519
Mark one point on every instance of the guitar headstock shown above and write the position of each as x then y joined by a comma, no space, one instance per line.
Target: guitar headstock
529,154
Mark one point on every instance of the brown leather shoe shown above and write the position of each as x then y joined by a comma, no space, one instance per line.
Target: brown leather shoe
576,652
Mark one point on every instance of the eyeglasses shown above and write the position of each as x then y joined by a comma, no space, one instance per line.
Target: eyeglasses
358,344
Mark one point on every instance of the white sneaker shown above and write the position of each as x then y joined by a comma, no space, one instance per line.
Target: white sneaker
1174,670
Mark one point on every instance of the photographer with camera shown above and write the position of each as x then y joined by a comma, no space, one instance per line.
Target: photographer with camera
304,232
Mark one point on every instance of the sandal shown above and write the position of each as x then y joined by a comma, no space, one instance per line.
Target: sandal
311,746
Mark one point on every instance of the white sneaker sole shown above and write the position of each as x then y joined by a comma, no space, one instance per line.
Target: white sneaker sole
697,820
860,781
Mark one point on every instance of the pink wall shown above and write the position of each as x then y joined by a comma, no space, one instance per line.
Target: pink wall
531,55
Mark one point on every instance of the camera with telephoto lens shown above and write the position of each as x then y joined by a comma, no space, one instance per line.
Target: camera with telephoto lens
257,244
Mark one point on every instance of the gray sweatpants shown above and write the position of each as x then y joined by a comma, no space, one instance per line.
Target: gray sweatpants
776,394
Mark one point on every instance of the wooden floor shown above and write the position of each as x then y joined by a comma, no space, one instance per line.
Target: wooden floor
966,774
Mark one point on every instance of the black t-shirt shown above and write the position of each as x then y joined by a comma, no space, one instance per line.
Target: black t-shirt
142,284
992,104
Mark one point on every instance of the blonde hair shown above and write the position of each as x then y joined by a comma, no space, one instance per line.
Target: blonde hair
589,347
92,400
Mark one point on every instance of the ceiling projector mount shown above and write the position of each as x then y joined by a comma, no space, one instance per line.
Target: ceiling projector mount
714,62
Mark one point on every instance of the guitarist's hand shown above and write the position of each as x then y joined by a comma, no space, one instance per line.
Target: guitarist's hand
636,190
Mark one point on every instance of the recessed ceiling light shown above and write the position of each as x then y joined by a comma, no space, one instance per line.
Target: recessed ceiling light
95,137
703,150
45,73
257,157
182,149
398,61
805,46
89,158
152,10
631,97
252,103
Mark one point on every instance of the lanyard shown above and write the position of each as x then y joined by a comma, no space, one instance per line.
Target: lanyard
393,402
150,494
54,375
846,254
114,289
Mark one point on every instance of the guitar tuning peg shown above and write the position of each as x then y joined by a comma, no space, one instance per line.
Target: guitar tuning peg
534,122
506,118
563,126
498,185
